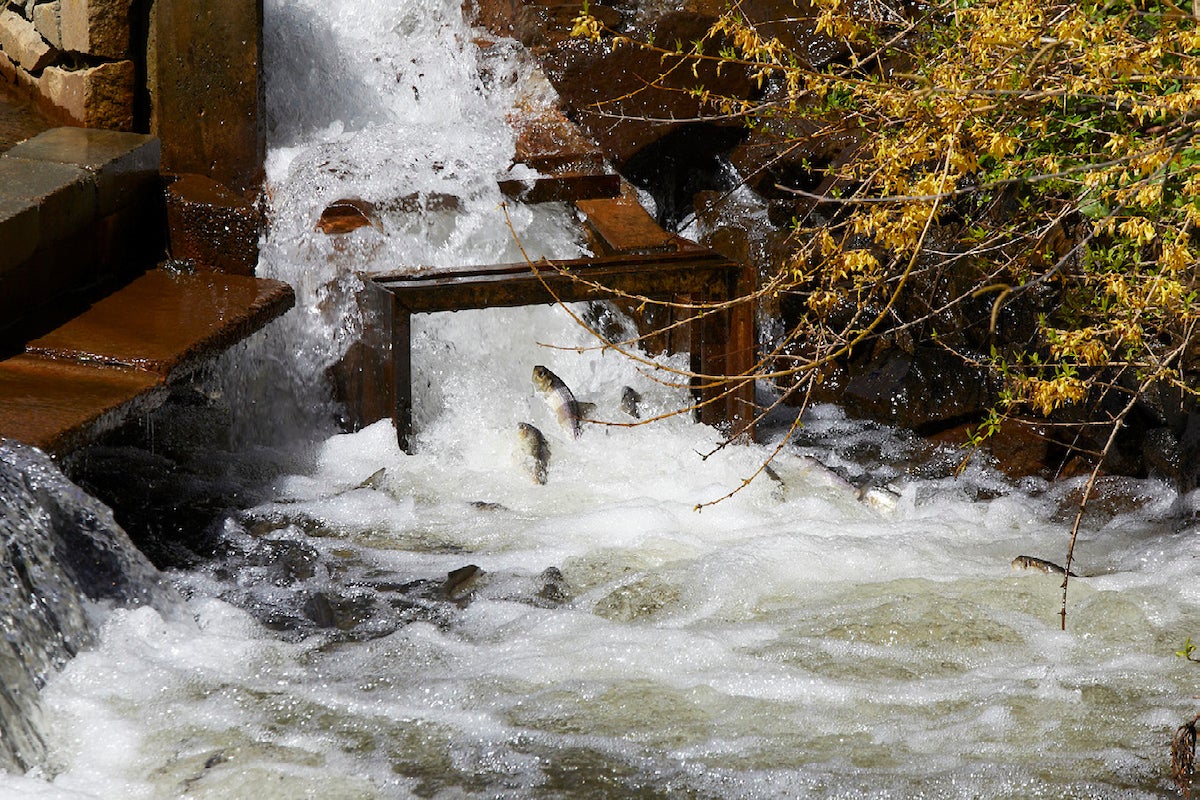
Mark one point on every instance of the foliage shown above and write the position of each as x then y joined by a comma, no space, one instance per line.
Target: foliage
1051,149
1188,650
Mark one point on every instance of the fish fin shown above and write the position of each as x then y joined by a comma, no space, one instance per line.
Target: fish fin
586,410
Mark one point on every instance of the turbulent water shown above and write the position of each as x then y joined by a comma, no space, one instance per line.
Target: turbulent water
794,640
61,549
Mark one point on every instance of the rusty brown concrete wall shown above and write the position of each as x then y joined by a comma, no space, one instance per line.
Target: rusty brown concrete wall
208,90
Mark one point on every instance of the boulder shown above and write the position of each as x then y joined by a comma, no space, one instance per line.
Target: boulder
925,390
47,18
23,44
621,97
95,97
96,27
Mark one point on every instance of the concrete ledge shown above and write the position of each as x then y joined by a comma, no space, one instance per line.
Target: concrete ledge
57,405
620,225
123,164
18,231
77,208
118,357
63,196
167,323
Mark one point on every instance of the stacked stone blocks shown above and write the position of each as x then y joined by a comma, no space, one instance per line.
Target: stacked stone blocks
75,55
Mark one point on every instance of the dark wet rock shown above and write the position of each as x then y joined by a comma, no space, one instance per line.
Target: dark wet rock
927,390
639,599
586,73
1019,448
1163,456
280,562
341,611
1112,496
59,548
794,154
168,511
536,23
681,164
554,590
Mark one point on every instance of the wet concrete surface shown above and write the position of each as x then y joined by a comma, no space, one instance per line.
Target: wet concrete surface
119,356
166,323
19,117
56,405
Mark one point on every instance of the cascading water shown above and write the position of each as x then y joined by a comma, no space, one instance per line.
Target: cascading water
438,625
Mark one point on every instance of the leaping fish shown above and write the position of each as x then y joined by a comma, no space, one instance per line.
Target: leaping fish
559,398
536,451
1049,567
630,402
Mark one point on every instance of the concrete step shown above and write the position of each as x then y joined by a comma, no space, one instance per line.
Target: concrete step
78,208
569,166
118,357
620,225
56,405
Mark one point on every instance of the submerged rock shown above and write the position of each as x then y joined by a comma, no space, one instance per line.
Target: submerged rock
641,599
461,584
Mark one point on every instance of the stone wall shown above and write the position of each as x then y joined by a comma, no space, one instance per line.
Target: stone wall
187,71
75,55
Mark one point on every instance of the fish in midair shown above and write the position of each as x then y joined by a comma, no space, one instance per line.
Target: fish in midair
560,399
375,480
1033,562
630,401
536,450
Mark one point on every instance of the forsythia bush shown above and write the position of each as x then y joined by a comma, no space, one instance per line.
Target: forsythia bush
1051,146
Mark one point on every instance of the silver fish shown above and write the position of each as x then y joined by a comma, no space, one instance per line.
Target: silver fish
1032,562
630,399
536,449
559,398
375,480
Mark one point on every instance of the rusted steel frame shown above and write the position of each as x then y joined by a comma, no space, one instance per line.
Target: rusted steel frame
728,347
703,276
568,281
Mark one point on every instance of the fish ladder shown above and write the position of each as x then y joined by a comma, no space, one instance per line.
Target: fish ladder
722,342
